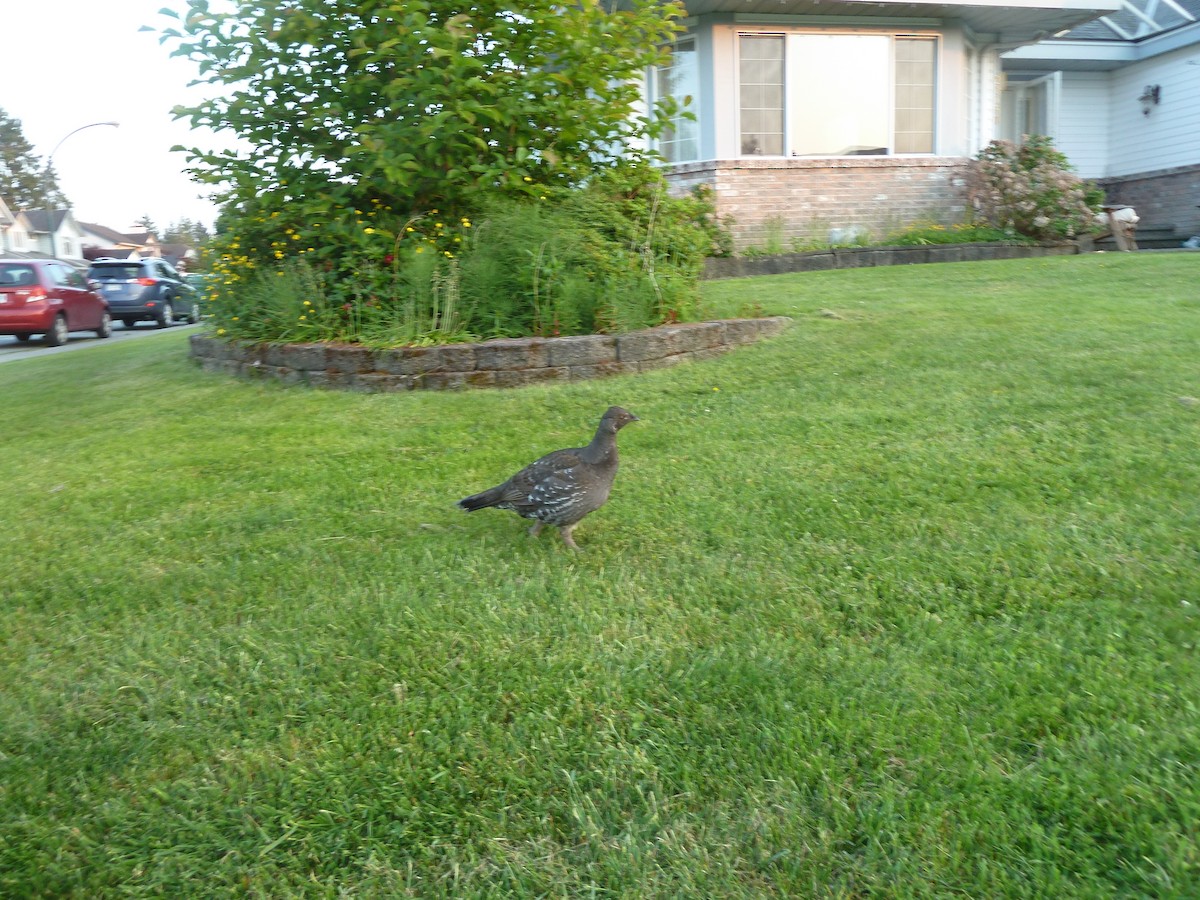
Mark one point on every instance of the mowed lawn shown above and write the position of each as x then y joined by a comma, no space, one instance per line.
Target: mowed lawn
902,603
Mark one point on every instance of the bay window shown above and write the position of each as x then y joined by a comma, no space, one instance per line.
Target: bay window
831,94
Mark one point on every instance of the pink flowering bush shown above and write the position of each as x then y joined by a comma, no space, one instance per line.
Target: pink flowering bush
1030,190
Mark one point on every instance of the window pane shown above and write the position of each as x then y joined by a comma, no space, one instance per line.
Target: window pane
915,91
680,141
841,104
760,75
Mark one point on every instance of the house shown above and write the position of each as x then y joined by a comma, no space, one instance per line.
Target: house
7,220
101,241
1120,96
48,232
819,117
181,256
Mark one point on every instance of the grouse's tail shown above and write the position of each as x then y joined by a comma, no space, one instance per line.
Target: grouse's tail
480,501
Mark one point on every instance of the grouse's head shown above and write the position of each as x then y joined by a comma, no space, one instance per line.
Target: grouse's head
617,418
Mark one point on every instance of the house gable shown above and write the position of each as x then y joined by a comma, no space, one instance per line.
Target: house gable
52,232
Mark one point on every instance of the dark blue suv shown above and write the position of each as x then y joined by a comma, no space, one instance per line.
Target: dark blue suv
145,290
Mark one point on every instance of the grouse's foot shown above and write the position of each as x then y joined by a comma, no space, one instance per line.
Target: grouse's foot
536,529
568,540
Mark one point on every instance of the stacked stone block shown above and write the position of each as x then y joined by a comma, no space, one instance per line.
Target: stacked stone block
497,363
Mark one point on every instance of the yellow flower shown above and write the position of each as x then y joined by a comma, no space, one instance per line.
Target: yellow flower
220,331
308,303
368,231
527,178
302,318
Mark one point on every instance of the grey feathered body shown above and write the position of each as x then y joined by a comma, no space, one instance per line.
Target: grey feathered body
564,486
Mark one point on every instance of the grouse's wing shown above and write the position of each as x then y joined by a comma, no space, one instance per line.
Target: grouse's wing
552,467
546,482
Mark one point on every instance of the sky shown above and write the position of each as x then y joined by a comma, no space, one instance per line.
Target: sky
70,63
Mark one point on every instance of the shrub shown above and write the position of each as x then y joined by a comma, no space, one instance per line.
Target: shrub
1030,190
613,256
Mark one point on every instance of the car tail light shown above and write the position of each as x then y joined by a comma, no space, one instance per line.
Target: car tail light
36,295
147,282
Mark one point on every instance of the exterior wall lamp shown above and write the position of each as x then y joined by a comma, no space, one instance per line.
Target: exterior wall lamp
1150,98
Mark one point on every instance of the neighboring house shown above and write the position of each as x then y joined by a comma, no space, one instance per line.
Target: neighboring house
7,220
181,256
49,232
101,241
1120,96
820,117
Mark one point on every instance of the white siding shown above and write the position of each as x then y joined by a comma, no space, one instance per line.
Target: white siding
1170,135
1082,130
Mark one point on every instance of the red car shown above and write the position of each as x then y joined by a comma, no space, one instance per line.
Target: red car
48,297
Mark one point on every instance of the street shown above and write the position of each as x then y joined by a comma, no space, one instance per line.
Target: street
11,348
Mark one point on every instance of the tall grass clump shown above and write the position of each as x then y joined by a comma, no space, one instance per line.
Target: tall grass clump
931,233
614,255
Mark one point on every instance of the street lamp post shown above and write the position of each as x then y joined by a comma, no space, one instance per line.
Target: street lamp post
50,163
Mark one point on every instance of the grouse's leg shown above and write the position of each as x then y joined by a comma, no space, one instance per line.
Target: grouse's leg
536,529
565,531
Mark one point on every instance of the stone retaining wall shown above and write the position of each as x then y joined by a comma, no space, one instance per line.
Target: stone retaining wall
865,257
498,363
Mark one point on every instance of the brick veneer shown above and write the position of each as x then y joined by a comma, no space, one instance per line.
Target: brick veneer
1164,197
803,200
499,363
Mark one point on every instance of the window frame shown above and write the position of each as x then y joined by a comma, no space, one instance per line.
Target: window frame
790,123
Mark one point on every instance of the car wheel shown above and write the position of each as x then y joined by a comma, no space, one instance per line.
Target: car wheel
193,315
166,316
129,323
57,335
105,329
23,338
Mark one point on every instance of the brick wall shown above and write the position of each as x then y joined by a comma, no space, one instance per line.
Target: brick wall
1165,197
781,204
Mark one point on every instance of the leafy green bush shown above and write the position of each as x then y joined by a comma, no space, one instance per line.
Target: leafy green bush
1029,189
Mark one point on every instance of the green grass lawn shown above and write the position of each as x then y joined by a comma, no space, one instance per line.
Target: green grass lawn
902,603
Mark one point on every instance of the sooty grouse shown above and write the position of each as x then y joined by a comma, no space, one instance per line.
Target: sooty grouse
564,486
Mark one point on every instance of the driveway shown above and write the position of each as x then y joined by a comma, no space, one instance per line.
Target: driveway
11,348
